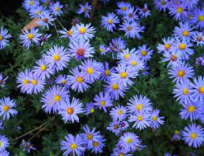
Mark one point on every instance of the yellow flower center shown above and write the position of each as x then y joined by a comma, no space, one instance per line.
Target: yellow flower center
73,146
34,82
92,110
120,112
162,2
140,118
90,70
127,56
101,50
79,79
43,67
181,73
57,98
191,108
45,20
57,9
70,110
154,118
38,12
107,72
143,53
64,82
89,136
129,140
56,57
110,21
115,86
82,30
30,36
173,57
129,28
123,75
201,90
133,63
167,46
69,32
1,38
185,91
200,18
139,107
102,103
6,108
179,10
185,33
123,8
176,132
95,143
193,136
85,9
121,154
31,2
25,81
182,46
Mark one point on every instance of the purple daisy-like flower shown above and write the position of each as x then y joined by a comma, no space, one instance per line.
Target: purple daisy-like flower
53,98
135,63
57,58
114,127
120,152
166,46
4,143
73,145
80,49
97,146
109,22
123,7
144,12
89,109
7,108
29,4
56,8
176,136
130,15
23,80
62,80
91,70
27,146
37,11
77,81
161,5
28,37
46,19
119,113
2,80
86,8
129,141
102,101
70,109
173,58
82,31
198,18
198,88
155,119
185,30
193,135
181,73
4,37
198,38
144,52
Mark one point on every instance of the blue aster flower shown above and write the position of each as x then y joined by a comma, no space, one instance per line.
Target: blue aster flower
23,80
173,58
57,58
67,33
198,18
62,80
103,49
161,5
7,106
73,145
90,136
178,10
70,109
2,80
135,63
77,81
28,37
102,101
115,90
198,38
141,120
124,125
120,152
114,127
155,119
4,143
132,29
97,146
198,88
139,103
91,70
109,22
144,52
183,72
144,12
125,55
129,141
37,11
4,37
84,9
46,19
53,99
123,7
185,30
80,49
191,110
190,4
83,31
119,113
89,109
176,136
27,146
130,15
29,4
182,92
56,8
42,69
166,46
193,135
